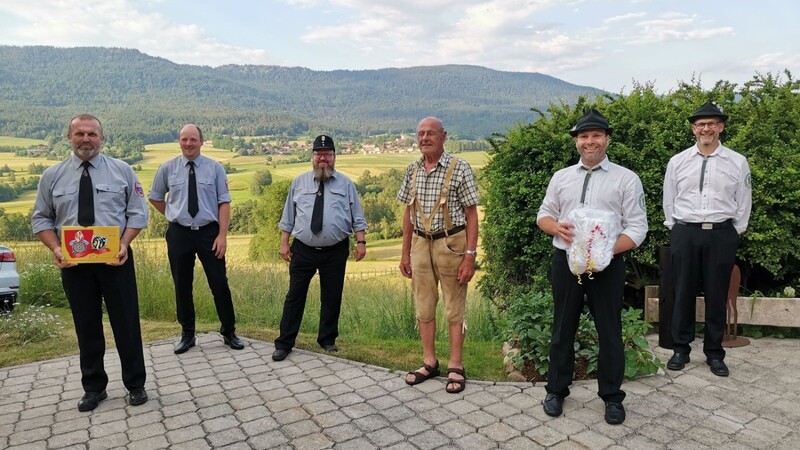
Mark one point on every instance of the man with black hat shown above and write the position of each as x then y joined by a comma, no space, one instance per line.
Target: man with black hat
191,190
322,210
596,183
707,202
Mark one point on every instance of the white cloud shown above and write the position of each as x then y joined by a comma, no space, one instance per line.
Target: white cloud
624,18
673,26
117,23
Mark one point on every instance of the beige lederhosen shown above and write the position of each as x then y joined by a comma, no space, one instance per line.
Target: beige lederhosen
435,262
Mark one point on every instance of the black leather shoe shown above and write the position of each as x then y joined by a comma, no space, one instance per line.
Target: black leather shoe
553,405
330,348
185,344
137,396
280,354
615,413
233,341
718,367
90,400
678,361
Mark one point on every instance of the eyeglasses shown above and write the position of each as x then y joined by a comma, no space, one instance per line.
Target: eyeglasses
428,133
323,154
701,125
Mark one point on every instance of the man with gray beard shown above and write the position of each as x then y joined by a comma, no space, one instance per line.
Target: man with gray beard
322,210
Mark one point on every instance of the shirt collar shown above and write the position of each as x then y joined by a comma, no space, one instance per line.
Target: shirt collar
604,164
76,162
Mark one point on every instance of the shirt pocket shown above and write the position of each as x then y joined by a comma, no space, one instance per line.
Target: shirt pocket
63,198
339,201
111,197
176,184
206,184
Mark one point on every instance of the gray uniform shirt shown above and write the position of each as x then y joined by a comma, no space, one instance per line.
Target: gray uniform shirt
118,195
611,188
342,214
212,189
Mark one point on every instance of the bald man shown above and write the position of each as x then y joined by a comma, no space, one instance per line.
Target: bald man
191,190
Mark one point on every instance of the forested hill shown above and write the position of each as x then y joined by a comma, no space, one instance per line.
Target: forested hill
137,95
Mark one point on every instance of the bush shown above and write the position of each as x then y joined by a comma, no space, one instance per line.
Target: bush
530,318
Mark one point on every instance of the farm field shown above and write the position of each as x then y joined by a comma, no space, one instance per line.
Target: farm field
352,165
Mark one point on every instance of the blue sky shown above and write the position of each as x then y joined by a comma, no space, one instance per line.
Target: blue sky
604,44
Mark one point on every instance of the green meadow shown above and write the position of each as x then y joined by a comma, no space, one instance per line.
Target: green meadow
352,165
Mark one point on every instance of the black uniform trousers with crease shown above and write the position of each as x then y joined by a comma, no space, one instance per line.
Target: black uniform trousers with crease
306,261
86,287
701,259
604,294
182,246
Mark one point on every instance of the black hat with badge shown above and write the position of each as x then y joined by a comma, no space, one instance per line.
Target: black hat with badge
709,109
591,120
323,142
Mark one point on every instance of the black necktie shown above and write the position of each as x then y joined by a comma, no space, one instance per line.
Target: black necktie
86,198
585,183
703,172
193,208
319,202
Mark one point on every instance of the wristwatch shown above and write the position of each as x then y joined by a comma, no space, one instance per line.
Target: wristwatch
473,253
361,242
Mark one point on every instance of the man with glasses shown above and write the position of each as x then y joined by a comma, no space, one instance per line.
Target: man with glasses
440,239
707,202
322,210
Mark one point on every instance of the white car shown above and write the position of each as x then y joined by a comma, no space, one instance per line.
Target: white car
9,279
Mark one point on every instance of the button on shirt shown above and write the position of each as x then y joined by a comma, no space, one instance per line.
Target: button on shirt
727,191
611,188
463,191
342,213
118,195
212,189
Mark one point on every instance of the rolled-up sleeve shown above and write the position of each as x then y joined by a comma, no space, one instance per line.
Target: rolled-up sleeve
670,191
634,212
43,216
357,213
287,218
550,204
744,198
136,209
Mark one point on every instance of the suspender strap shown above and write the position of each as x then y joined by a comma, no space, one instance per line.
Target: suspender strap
442,203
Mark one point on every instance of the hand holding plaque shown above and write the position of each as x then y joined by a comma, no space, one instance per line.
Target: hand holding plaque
94,244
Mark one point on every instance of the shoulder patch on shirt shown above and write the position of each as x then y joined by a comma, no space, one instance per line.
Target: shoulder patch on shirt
748,182
138,188
641,202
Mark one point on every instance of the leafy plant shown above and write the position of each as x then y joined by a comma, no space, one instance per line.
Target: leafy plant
28,324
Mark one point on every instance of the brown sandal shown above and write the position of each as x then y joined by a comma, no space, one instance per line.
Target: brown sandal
460,384
419,377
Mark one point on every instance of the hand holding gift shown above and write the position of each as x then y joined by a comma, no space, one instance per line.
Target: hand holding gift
596,231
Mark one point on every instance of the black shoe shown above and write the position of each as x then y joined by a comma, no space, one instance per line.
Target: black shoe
553,405
185,344
330,348
280,354
137,396
615,413
678,361
718,367
90,400
233,341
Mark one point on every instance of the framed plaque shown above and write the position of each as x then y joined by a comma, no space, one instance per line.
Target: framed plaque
90,244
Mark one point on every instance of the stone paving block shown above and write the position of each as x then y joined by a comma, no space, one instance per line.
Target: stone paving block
225,437
211,412
343,432
686,444
260,426
178,397
300,428
66,439
768,428
146,431
384,437
184,434
707,436
412,426
474,441
145,418
22,425
36,434
566,426
461,407
359,410
246,402
479,419
197,444
396,413
282,404
382,402
356,444
305,386
291,415
456,428
151,443
312,441
499,432
370,392
722,425
252,413
592,440
116,440
371,423
429,440
336,389
520,443
546,436
436,416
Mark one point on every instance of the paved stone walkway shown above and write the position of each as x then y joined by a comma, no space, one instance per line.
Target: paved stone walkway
214,397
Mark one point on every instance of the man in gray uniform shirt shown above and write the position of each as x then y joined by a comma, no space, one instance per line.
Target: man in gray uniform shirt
85,190
322,210
191,190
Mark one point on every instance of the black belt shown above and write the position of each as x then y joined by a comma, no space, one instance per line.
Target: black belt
439,234
707,225
193,227
345,241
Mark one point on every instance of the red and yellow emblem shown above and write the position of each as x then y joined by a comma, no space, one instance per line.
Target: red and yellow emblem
90,244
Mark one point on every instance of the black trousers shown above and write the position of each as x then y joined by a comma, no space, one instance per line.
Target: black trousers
182,246
86,287
306,261
604,294
701,258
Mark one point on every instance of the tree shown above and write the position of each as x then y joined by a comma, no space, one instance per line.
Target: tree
265,244
261,179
